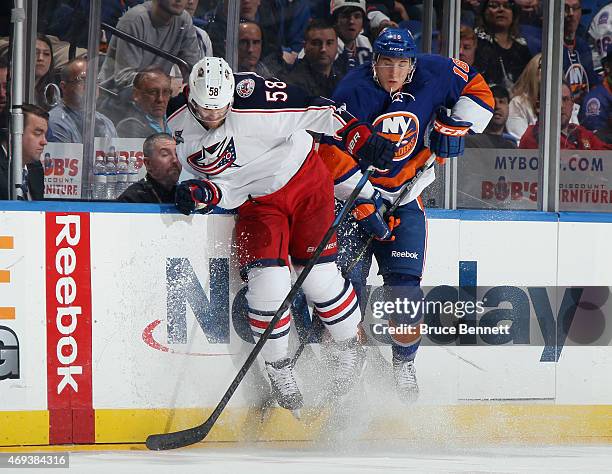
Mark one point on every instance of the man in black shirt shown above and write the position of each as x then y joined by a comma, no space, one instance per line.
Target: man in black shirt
495,135
315,72
35,126
163,170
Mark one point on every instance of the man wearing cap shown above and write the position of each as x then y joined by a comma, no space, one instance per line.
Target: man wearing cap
597,106
354,47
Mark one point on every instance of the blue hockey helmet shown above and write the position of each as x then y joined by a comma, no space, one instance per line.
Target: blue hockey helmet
395,43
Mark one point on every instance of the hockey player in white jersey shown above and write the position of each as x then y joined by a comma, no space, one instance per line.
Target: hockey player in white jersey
245,137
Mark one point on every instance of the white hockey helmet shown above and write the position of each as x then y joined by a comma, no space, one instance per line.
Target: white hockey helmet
211,83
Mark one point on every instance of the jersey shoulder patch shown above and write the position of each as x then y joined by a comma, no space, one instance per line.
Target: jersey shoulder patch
254,92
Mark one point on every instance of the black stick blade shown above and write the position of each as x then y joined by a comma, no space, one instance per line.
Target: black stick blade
178,439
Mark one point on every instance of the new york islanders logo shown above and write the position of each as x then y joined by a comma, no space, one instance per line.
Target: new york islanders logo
398,126
214,159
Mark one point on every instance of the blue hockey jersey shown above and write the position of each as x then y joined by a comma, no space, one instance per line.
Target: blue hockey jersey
437,81
596,107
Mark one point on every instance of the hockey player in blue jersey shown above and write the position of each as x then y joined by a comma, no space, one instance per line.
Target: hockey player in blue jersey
405,97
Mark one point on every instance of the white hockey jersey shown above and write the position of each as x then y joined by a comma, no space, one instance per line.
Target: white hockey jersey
601,32
263,141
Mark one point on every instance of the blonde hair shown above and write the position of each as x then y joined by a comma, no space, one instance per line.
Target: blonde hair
528,83
465,32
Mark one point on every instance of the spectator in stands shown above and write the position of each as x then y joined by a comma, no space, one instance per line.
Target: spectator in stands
249,49
573,136
600,35
467,45
67,119
469,11
282,23
354,47
315,72
198,23
162,23
163,171
44,73
577,55
597,106
382,13
530,12
530,24
495,135
502,54
525,103
35,123
147,112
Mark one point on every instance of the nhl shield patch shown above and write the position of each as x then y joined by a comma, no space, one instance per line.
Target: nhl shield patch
245,88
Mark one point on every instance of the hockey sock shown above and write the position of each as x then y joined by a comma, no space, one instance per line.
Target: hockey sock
268,287
335,300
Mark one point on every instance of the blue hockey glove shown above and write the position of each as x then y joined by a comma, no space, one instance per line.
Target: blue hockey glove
447,139
368,146
197,195
369,214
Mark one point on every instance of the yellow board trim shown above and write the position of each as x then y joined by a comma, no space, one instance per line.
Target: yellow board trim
474,422
24,427
484,423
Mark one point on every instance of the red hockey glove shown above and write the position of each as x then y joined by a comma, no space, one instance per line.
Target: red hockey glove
369,214
370,148
447,139
197,195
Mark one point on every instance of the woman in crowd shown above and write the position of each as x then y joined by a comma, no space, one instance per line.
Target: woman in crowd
525,103
44,72
501,54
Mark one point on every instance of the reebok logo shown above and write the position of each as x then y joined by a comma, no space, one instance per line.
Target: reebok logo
404,254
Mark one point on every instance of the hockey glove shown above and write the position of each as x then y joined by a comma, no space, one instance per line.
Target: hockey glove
197,195
447,139
369,214
368,146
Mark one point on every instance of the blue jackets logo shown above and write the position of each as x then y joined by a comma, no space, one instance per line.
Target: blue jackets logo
214,159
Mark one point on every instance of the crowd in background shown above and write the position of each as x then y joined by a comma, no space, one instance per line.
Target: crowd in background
313,44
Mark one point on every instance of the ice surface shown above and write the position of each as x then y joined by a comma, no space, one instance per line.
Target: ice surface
363,457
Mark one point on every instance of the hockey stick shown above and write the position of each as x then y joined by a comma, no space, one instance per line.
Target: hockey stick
193,435
387,213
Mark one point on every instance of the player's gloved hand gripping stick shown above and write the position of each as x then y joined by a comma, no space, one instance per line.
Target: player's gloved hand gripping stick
193,435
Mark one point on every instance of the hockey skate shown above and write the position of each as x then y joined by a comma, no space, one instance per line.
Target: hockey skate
284,385
404,373
348,361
